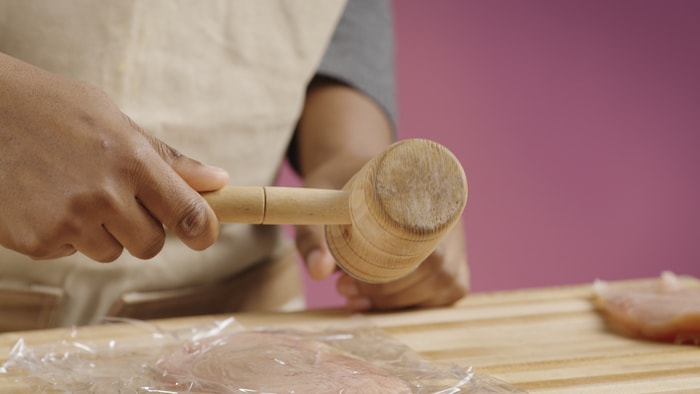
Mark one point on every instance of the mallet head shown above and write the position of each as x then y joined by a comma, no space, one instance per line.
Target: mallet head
402,203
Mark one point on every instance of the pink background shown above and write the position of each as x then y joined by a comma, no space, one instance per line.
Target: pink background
578,124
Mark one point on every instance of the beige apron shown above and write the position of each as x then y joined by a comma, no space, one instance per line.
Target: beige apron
221,81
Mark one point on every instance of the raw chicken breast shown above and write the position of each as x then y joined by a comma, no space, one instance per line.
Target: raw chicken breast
269,362
665,310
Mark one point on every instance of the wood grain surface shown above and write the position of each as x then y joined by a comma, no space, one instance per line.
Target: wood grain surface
548,340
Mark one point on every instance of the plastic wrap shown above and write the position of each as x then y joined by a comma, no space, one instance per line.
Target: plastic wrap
224,357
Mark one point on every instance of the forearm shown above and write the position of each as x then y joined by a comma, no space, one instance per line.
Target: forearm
340,129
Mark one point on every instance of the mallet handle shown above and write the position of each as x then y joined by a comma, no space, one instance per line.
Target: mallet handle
279,205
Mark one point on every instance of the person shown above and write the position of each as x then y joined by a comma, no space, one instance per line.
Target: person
105,105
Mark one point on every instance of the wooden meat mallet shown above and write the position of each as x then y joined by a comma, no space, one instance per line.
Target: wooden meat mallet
384,222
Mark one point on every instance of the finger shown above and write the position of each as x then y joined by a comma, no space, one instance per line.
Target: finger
454,281
405,299
424,292
430,285
142,235
422,273
172,201
99,245
452,291
181,209
311,244
347,287
38,242
365,296
439,288
200,177
62,251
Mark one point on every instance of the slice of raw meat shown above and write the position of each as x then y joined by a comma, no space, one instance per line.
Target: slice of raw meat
665,310
272,362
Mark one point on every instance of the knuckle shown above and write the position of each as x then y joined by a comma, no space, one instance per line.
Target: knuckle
47,252
435,259
446,281
132,123
151,247
46,244
168,151
193,220
35,248
453,290
162,149
109,254
93,93
86,203
455,294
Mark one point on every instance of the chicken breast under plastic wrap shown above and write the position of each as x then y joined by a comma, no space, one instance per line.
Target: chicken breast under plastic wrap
663,311
267,362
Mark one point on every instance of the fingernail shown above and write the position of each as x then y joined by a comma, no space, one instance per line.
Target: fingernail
217,169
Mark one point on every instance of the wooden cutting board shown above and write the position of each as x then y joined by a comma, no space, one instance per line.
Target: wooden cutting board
548,340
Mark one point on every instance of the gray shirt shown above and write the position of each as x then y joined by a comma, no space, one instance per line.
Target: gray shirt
361,55
361,52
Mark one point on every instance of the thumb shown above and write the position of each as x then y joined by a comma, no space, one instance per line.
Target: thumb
168,185
311,243
200,177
